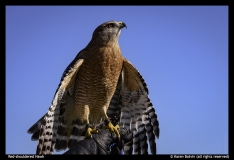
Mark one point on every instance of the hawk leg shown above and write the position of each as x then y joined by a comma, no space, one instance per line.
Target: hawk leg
112,128
90,131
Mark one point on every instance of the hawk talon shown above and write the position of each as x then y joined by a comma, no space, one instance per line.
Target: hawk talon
89,132
112,128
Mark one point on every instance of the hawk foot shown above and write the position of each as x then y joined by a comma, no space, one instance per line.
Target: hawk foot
89,132
112,128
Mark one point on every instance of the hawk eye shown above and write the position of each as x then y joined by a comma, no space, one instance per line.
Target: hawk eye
111,25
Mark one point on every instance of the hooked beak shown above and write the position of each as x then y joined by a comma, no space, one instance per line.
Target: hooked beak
122,25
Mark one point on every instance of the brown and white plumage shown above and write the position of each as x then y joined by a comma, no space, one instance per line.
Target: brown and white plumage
99,83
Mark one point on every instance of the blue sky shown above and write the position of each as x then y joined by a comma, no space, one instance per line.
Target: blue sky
181,52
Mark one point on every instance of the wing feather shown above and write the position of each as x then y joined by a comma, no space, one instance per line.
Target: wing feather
48,129
137,112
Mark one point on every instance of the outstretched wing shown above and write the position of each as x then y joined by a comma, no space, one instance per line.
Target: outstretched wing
49,127
132,104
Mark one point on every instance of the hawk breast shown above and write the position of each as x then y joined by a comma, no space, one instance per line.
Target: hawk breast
97,80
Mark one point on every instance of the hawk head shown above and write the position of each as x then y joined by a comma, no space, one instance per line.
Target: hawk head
107,32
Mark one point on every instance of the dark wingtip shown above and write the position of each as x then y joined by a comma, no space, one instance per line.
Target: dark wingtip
33,129
35,136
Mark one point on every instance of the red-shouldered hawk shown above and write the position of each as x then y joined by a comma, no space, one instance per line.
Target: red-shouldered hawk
99,83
